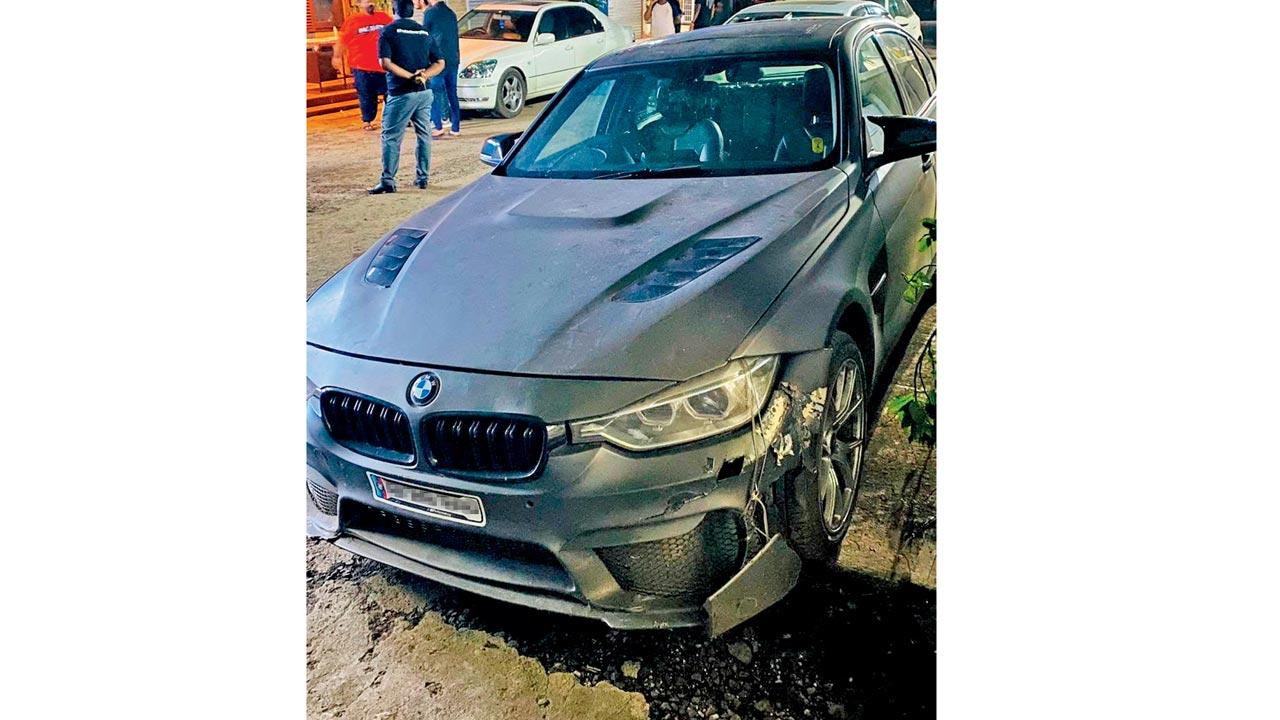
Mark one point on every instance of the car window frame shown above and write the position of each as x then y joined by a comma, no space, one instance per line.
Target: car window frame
926,64
856,97
900,83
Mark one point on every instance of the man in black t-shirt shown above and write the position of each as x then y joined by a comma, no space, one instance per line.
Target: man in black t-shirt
442,23
411,58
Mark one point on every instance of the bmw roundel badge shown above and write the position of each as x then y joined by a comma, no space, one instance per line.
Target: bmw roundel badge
424,389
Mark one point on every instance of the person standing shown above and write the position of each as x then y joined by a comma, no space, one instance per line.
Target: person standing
359,40
661,19
442,23
703,13
723,11
411,58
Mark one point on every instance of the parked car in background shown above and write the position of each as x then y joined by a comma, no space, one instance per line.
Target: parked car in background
902,12
632,373
898,10
520,49
789,9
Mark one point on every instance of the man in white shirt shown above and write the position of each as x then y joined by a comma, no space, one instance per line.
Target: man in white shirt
661,19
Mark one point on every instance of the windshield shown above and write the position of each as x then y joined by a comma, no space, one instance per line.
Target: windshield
689,118
777,15
510,25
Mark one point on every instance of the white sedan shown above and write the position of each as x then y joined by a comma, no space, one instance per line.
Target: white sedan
513,51
899,10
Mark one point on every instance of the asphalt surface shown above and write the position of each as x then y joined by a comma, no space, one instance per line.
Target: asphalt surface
856,641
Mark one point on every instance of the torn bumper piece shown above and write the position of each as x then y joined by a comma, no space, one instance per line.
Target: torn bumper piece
763,581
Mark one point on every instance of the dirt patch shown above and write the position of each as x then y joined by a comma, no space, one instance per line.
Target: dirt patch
374,651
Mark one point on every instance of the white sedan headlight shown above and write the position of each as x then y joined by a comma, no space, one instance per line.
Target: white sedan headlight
478,70
719,401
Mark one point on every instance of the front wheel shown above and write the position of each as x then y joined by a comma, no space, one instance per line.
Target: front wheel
511,94
820,502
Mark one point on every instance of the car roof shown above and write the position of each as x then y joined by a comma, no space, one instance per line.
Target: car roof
811,34
527,5
835,7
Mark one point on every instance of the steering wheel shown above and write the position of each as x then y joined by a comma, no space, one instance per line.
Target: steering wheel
602,150
581,157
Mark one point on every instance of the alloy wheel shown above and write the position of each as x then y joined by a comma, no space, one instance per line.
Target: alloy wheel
512,94
841,449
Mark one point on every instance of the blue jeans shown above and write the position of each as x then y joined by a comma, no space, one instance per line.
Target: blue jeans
445,86
369,85
400,110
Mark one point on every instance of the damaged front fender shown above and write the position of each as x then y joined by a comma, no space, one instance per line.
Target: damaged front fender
787,428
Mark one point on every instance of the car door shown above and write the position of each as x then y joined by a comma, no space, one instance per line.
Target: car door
553,64
903,192
587,36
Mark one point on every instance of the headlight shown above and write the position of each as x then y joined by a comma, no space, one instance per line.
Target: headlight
707,405
478,70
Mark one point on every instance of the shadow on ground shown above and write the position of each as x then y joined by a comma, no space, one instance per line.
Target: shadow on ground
842,645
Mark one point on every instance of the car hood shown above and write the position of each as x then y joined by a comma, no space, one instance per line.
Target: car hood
519,275
471,49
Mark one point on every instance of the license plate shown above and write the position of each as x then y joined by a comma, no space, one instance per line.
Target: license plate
443,504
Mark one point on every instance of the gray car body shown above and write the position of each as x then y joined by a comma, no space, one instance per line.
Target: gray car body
509,300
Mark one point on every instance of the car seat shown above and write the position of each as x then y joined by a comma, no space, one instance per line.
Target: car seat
686,130
810,141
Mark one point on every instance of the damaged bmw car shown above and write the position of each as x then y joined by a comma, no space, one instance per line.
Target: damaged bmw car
630,374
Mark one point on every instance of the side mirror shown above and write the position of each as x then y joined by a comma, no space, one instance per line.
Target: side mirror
544,39
905,136
497,147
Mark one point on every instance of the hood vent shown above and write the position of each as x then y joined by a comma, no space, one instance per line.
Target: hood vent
391,257
680,269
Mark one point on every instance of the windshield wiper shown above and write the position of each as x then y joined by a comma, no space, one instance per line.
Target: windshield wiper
673,171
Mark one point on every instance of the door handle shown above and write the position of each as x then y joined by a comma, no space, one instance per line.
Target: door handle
926,162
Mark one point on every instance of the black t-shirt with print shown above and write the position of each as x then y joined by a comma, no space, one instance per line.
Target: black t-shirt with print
405,43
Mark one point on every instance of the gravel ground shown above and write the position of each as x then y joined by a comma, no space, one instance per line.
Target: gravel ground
856,641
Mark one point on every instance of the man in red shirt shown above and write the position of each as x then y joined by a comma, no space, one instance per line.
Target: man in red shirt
359,38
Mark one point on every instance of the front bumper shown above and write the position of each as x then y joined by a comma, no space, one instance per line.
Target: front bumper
478,94
622,537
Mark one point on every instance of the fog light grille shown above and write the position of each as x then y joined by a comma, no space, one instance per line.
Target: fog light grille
690,566
322,495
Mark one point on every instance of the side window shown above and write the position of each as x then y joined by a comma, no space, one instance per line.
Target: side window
556,22
926,65
898,48
876,92
582,22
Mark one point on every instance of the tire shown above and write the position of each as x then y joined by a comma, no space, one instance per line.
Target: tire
809,496
512,94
